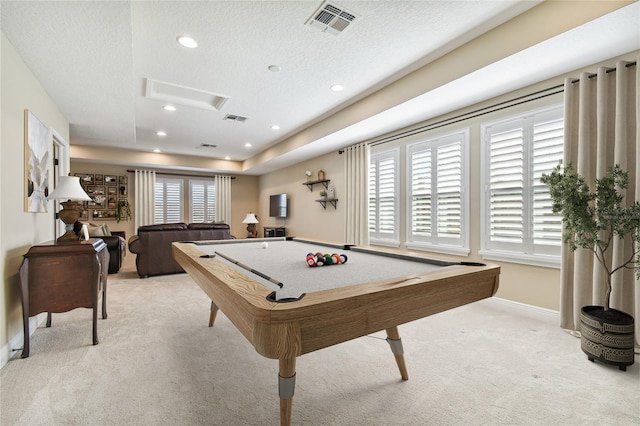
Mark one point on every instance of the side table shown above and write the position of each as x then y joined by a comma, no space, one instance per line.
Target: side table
58,277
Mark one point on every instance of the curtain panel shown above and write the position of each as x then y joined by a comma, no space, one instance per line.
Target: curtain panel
357,193
145,198
223,199
601,116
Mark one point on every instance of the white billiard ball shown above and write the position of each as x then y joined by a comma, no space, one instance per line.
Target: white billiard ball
265,245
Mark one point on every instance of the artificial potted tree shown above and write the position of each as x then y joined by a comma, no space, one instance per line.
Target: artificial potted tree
592,220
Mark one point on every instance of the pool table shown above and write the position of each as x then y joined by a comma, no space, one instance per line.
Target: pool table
286,308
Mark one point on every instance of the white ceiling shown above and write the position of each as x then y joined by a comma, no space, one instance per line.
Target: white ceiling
93,58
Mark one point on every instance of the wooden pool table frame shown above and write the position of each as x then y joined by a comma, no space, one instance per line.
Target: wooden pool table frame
320,319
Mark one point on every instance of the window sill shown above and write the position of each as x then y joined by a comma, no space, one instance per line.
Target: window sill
456,251
544,261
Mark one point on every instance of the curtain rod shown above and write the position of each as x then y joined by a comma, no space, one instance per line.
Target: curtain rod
593,75
485,110
180,174
472,114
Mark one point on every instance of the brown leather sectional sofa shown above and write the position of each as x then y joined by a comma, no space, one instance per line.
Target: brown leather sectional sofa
152,245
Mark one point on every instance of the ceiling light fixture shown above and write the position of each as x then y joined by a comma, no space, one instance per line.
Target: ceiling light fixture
227,158
337,87
156,150
187,41
247,145
169,108
275,127
161,133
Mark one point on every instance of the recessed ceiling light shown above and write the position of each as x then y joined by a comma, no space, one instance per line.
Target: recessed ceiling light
187,41
169,108
274,68
275,127
161,133
227,158
337,87
156,150
247,145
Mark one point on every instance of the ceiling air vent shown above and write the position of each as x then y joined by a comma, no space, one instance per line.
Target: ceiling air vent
331,18
207,145
236,118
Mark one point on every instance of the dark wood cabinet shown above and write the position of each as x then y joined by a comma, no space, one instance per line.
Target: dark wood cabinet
58,277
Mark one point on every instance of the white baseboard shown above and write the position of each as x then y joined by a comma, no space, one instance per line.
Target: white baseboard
14,347
524,308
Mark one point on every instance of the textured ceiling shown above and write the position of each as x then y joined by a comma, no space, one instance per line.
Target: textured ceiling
93,58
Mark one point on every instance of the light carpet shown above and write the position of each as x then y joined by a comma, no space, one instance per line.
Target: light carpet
158,363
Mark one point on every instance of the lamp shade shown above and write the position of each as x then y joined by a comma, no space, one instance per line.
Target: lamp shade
68,188
251,218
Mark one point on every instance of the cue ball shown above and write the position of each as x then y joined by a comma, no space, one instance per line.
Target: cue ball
265,245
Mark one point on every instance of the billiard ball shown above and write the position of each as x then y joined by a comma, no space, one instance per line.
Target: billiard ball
265,245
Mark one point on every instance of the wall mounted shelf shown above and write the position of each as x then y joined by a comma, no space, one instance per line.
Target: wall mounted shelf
332,201
324,182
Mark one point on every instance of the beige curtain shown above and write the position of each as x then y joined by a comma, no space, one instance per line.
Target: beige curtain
356,196
145,198
601,116
223,199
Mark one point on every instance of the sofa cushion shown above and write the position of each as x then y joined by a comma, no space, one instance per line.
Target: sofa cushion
163,227
208,225
98,230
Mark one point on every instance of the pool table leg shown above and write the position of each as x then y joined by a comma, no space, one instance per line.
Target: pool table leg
393,337
286,387
212,315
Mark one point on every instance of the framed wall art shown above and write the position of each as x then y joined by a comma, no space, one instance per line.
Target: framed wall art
36,155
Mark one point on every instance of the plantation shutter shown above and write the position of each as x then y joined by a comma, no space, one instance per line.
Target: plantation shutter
436,186
202,201
168,200
548,138
519,215
383,197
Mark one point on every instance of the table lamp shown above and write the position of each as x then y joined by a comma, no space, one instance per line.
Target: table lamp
251,221
68,188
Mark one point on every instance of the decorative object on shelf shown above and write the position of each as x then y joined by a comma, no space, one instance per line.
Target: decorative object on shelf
323,194
598,221
251,221
308,174
123,212
69,189
320,174
332,192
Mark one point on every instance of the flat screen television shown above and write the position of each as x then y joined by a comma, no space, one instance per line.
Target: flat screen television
278,205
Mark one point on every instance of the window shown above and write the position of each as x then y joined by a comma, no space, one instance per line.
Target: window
436,206
168,200
518,224
202,195
383,198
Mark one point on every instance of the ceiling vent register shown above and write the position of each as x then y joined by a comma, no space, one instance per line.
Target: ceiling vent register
331,18
236,118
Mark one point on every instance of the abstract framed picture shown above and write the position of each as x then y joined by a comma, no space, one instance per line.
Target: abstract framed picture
36,155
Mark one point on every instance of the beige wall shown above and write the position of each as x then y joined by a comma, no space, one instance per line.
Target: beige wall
306,218
244,194
19,230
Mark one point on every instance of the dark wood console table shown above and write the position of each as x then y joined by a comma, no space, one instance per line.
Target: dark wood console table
59,277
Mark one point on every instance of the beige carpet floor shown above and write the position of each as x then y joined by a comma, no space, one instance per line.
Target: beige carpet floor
158,363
